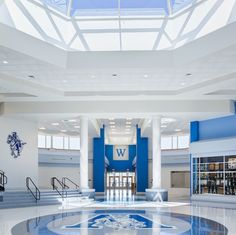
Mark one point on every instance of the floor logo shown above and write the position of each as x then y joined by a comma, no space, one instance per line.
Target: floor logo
119,222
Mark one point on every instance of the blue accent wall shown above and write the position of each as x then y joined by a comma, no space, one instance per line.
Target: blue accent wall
99,161
140,150
142,162
122,165
194,130
214,128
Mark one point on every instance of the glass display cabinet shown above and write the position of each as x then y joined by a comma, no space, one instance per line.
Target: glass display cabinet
214,175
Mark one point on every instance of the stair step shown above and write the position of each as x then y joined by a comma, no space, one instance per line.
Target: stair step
16,199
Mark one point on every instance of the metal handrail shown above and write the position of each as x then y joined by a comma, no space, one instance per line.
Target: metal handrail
63,192
3,178
72,182
35,194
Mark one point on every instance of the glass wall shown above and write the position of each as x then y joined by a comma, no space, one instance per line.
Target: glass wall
174,142
214,175
58,142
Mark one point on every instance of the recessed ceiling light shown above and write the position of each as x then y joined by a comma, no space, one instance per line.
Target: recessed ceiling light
93,76
129,119
72,120
111,119
112,127
42,128
55,124
64,81
167,120
63,130
112,123
145,75
177,130
188,74
5,62
77,127
128,123
163,126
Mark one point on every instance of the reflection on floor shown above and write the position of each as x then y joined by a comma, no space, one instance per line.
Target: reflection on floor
119,195
125,216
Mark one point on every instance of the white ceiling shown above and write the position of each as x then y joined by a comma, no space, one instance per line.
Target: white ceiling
190,82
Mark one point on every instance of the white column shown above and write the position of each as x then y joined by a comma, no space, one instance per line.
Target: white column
156,152
84,153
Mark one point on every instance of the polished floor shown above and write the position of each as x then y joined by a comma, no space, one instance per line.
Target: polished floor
132,217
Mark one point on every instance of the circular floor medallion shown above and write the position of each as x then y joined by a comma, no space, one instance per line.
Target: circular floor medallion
114,222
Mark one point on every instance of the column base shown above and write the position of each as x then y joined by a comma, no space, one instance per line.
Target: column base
90,193
156,195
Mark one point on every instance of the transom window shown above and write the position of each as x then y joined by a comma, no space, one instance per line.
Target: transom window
175,142
58,142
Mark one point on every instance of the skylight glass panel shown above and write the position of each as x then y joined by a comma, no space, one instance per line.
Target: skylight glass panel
59,5
114,7
178,5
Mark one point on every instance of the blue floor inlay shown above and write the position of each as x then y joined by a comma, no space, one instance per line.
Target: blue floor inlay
115,222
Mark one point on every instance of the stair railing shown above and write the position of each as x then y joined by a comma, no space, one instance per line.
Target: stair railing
3,179
36,193
55,182
64,179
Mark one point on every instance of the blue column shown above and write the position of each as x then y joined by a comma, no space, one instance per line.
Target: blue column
99,161
142,162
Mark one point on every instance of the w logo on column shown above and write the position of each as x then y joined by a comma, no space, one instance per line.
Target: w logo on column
121,152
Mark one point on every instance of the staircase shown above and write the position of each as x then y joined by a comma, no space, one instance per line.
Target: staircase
33,196
14,199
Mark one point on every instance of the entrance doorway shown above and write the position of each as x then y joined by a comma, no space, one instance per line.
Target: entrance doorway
121,181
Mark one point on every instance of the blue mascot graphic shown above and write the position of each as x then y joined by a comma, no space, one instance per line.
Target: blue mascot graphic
16,145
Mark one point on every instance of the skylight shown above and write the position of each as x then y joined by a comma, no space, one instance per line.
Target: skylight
117,7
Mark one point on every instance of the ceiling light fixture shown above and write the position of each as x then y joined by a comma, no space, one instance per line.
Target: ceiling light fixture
112,123
163,126
93,76
77,127
188,74
64,81
42,128
145,75
167,120
55,124
72,120
5,62
177,130
63,131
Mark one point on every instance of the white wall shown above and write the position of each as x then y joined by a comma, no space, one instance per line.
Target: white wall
17,169
48,171
166,180
172,160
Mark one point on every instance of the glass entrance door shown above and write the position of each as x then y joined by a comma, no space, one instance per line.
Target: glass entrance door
120,180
